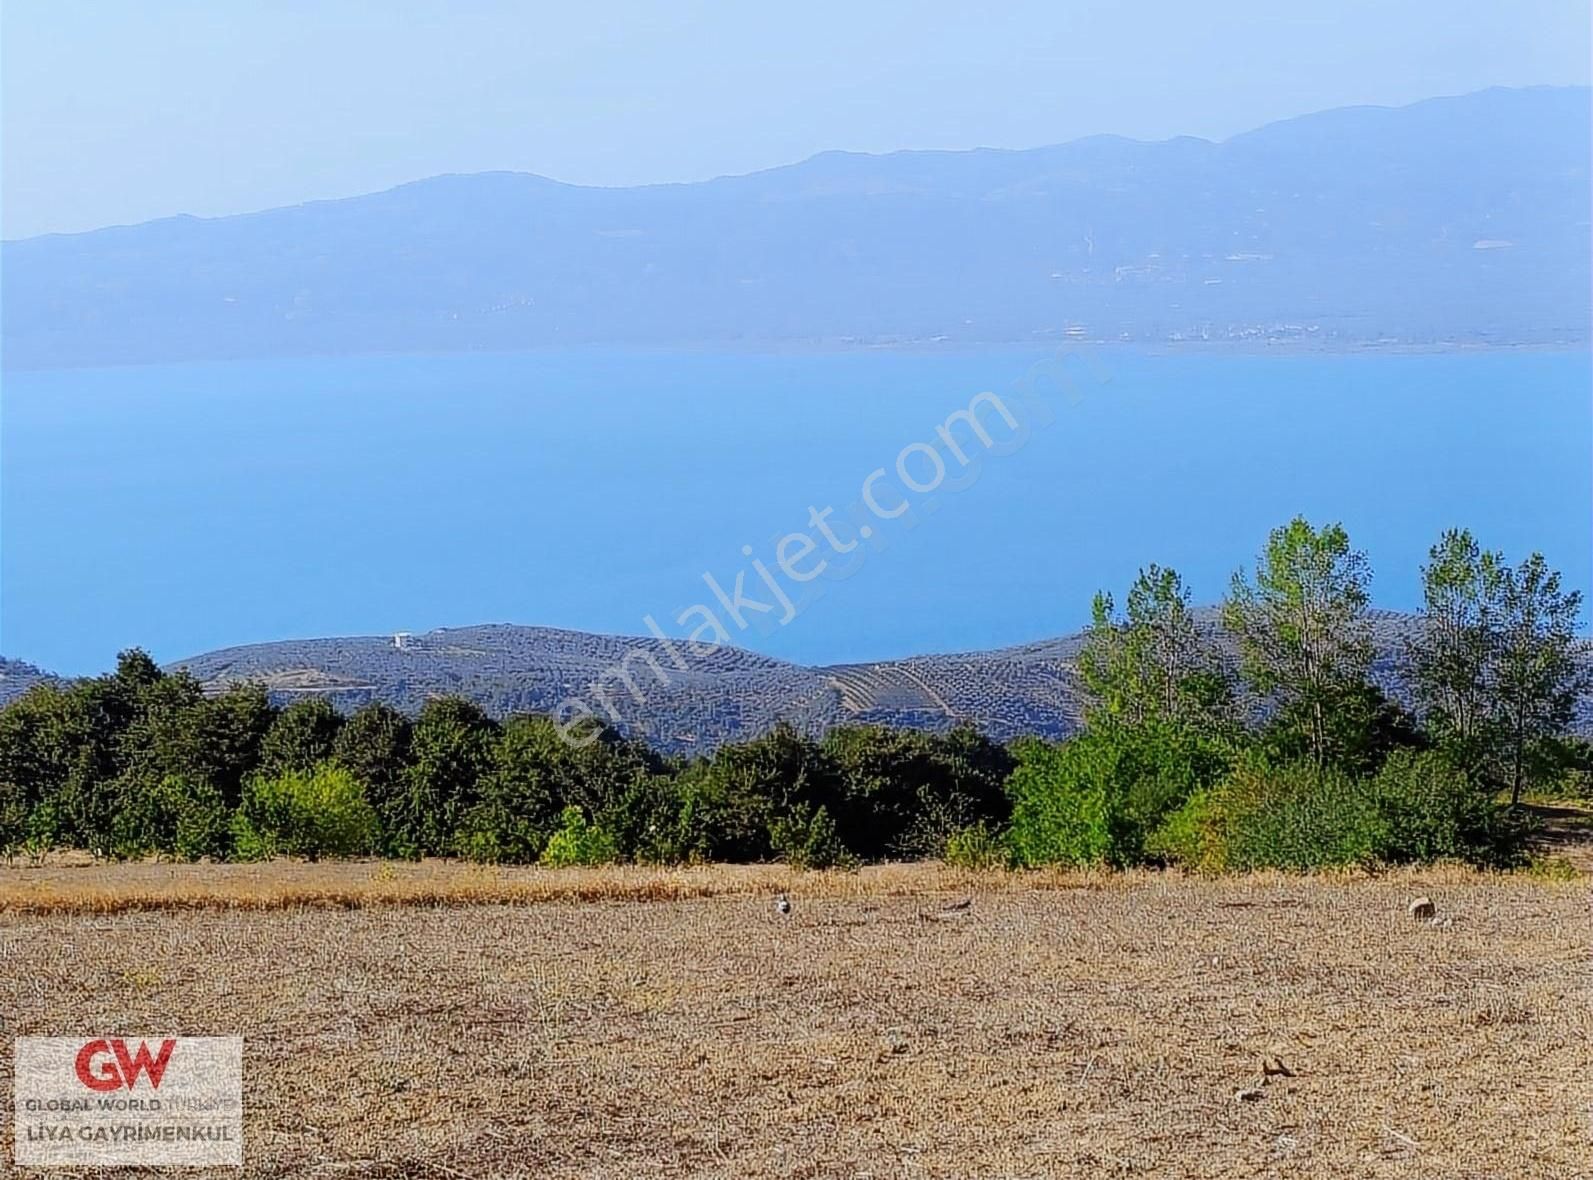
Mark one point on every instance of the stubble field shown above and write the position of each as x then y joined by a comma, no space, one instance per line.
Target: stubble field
437,1021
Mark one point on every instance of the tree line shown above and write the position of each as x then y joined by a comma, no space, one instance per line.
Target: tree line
1264,740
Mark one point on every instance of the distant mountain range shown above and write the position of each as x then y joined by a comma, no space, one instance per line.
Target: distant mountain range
1452,221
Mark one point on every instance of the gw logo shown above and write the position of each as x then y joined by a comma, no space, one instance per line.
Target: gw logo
105,1065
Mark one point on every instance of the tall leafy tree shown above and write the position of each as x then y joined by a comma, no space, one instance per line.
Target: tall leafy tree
232,728
1304,639
1537,677
450,757
1452,656
1495,665
373,746
301,737
1152,663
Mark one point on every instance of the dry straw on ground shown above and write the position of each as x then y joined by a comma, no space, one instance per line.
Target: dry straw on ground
1057,1026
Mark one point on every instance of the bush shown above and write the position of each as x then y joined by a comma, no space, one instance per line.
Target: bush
903,793
656,822
807,838
1293,815
578,843
42,831
1433,812
975,847
1097,797
1418,808
173,817
313,814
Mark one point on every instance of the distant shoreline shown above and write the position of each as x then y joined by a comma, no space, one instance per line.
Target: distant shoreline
916,348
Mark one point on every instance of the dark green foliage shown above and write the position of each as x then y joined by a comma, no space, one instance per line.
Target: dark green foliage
1434,811
806,838
536,776
1362,729
232,727
450,758
303,735
902,792
373,746
737,795
174,817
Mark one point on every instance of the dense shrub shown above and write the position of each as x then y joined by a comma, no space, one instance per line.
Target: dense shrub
1291,815
902,793
1433,812
577,842
655,822
313,814
174,817
978,846
535,775
738,795
1294,815
807,838
1097,797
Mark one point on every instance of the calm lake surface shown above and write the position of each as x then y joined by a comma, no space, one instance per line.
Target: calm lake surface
183,508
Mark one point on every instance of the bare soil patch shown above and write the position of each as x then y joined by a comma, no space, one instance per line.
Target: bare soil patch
1056,1026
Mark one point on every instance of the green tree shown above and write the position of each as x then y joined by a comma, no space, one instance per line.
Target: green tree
1152,664
1451,656
1304,638
1098,797
1495,665
737,796
1537,676
302,736
110,726
231,728
903,793
450,758
373,745
536,776
41,733
173,817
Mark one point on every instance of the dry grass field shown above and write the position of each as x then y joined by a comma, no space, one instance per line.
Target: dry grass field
634,1023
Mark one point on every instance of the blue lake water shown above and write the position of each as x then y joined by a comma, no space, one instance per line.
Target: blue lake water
188,507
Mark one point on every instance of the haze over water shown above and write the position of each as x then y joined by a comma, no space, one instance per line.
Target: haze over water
183,508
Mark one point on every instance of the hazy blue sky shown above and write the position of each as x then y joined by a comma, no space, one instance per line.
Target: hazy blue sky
122,110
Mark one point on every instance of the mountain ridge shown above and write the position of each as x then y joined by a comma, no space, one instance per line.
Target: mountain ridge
1453,220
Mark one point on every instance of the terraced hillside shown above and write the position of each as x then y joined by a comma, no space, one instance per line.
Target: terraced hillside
728,694
16,677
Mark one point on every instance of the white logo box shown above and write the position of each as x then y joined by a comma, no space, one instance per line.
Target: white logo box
117,1101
